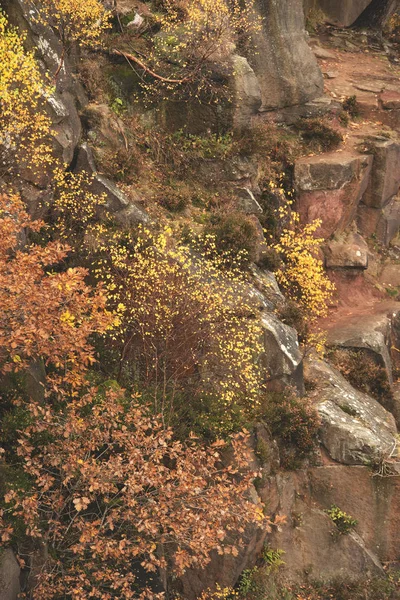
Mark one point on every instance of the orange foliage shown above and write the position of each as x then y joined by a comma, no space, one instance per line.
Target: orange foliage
44,314
114,496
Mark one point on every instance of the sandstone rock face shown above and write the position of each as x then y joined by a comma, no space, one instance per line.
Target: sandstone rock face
330,188
9,576
282,359
355,428
343,12
308,537
247,92
369,333
384,222
385,174
346,252
285,67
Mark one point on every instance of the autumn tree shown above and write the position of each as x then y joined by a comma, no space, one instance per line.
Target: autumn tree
24,124
114,496
45,313
188,332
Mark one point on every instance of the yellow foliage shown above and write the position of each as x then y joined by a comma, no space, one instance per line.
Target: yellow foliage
303,276
76,207
74,20
23,124
184,323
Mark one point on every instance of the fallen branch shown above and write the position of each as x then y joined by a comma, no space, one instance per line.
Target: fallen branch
141,64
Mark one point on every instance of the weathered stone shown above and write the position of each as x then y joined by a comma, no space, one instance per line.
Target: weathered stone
248,202
390,100
373,501
355,428
385,174
323,53
284,64
330,187
369,333
127,212
319,107
282,360
348,251
266,289
384,223
343,12
9,576
247,93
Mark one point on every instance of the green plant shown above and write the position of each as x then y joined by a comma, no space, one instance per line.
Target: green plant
273,558
118,106
344,522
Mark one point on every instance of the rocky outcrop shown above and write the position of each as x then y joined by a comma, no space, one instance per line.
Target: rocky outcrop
370,333
9,576
247,92
355,428
385,175
127,212
282,360
285,67
309,537
330,187
343,13
383,223
347,251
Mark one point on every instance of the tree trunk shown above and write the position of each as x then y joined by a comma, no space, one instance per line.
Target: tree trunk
376,15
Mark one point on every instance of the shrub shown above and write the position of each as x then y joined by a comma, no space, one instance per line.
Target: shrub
318,135
45,313
362,371
176,197
186,333
116,498
293,421
351,106
23,122
236,235
179,60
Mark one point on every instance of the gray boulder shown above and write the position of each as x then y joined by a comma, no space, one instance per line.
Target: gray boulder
355,428
349,251
384,222
247,93
371,334
285,66
281,359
